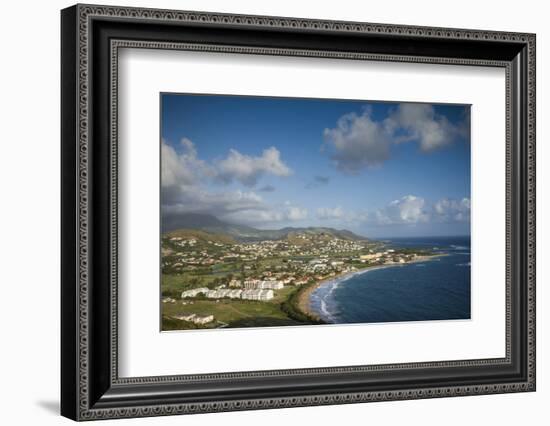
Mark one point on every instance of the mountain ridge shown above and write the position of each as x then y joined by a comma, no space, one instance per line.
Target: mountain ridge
213,225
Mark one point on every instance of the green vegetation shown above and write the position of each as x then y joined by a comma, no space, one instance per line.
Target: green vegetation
201,235
197,259
292,309
231,313
170,324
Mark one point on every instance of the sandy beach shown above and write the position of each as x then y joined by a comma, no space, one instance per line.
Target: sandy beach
304,298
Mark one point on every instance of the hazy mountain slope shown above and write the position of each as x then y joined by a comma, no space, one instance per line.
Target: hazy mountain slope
213,225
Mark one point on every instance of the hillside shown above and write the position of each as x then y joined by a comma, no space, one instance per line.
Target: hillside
200,235
193,222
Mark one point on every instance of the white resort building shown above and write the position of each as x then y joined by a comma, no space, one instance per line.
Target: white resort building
263,290
257,294
250,284
194,292
194,318
263,285
235,283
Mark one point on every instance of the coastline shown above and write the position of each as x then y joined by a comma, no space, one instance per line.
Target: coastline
304,299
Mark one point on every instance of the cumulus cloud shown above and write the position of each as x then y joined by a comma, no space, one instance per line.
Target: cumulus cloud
408,209
181,168
247,169
420,123
318,181
327,213
357,142
360,141
181,171
412,209
185,189
448,210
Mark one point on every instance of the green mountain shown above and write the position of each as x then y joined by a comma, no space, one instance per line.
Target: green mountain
212,225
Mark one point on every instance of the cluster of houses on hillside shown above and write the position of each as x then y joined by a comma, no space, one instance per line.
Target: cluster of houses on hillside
257,270
183,242
191,253
335,255
387,257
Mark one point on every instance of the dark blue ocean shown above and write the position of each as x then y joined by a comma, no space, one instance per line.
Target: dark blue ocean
437,289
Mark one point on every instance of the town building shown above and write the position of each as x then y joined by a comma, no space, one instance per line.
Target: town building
235,294
271,284
257,294
195,318
373,256
194,292
203,319
235,283
250,284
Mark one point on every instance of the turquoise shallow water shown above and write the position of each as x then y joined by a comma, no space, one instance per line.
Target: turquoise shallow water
437,289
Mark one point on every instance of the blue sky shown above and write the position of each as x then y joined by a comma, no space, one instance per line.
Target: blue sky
376,168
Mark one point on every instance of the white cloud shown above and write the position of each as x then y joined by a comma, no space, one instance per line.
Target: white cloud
296,213
340,215
327,213
181,169
420,123
411,210
358,141
408,209
268,216
185,168
184,175
448,210
247,169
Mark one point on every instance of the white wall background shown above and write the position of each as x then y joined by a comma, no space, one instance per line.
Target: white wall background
29,225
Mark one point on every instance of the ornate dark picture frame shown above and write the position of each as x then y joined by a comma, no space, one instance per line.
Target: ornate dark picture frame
91,36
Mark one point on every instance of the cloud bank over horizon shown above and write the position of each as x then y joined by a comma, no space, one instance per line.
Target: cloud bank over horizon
183,191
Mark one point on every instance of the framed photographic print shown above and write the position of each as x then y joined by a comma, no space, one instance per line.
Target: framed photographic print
276,233
263,212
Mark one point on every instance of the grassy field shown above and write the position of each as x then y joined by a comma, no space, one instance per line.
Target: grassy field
231,313
174,284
